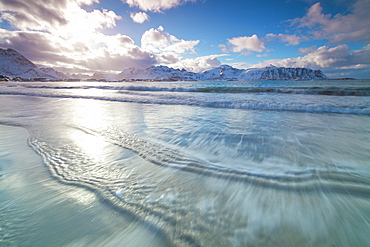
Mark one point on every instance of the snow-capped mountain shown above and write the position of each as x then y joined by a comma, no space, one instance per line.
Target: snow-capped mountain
159,73
224,72
281,73
14,64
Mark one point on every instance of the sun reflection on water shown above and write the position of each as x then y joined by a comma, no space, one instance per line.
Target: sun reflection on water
88,114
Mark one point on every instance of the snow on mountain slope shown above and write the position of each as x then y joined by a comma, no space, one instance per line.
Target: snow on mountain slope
224,72
281,73
14,64
157,73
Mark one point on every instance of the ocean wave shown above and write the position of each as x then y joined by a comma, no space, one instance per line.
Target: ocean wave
305,90
116,88
362,109
335,91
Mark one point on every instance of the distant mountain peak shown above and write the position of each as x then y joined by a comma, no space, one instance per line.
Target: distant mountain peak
270,67
226,66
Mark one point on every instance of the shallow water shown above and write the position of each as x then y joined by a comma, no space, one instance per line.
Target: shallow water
166,164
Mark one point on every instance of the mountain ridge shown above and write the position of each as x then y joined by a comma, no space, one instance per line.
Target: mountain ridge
13,64
223,72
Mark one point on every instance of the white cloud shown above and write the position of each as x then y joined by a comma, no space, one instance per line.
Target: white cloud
66,35
83,25
168,50
139,17
247,53
223,48
340,28
157,41
241,65
113,53
246,43
291,39
338,57
199,64
69,37
168,58
307,49
155,5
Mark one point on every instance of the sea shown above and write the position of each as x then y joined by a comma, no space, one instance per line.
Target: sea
186,163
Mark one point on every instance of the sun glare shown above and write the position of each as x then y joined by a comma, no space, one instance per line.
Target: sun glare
83,33
88,114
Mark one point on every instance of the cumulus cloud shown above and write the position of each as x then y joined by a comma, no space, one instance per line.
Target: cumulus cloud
139,17
305,50
169,50
68,36
63,35
38,15
22,14
168,58
155,5
291,39
340,28
247,44
106,53
223,48
199,64
157,41
338,57
30,43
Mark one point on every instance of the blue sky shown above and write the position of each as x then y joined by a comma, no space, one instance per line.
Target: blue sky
87,36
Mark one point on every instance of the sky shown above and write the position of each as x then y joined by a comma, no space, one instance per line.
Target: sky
108,36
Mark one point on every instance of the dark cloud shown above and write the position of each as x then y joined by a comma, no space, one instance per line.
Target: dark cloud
35,46
33,13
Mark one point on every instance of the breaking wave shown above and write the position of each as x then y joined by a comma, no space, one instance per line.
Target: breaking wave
336,91
192,99
304,90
